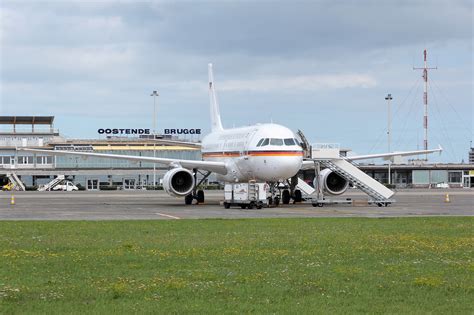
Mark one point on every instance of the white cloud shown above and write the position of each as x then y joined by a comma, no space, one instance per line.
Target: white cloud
11,22
102,59
56,63
306,83
101,23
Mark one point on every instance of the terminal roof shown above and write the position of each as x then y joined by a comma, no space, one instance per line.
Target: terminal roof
26,120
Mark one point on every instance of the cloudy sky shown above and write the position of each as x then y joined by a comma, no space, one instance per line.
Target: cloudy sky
320,66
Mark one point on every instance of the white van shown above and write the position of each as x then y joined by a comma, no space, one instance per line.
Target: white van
66,186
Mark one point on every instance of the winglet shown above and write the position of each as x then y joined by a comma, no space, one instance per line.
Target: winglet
216,123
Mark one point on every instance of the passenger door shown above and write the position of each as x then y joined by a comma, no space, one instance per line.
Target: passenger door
93,184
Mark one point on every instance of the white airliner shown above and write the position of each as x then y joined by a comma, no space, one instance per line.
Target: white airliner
262,152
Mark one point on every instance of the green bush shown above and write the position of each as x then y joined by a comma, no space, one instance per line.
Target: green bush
108,187
151,187
80,187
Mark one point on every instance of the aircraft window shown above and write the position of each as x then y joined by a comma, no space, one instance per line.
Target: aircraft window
274,141
289,141
260,142
265,142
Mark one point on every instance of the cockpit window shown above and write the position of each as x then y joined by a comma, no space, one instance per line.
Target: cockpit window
289,141
296,141
274,141
260,142
265,142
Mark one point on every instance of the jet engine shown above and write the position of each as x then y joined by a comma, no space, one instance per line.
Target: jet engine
178,182
333,183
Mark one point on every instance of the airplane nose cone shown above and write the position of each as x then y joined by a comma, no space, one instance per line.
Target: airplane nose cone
294,165
286,167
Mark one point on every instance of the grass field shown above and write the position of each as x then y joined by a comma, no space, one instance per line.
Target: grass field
400,265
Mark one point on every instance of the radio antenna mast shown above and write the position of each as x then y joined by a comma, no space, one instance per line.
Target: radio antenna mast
425,100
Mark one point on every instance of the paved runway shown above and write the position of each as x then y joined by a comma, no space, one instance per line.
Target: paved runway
139,205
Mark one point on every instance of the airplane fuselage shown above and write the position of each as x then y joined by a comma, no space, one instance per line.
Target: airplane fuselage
265,152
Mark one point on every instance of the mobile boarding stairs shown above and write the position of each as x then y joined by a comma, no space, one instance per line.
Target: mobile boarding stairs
16,181
329,157
56,181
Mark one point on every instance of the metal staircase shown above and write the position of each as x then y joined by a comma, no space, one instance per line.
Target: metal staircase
253,191
52,183
360,179
16,181
304,187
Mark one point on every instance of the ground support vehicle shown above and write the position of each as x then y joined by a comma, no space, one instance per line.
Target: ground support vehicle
65,185
8,187
247,195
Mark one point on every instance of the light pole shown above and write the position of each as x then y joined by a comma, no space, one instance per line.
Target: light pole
389,127
154,94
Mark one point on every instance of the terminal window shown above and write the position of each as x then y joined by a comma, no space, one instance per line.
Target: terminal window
5,160
25,160
455,177
44,160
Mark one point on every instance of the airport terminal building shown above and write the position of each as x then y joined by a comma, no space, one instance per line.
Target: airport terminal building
92,173
35,169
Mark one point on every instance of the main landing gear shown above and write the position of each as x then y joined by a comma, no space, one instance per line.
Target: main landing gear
197,194
292,192
284,195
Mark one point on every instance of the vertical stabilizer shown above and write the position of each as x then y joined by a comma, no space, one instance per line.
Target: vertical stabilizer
216,123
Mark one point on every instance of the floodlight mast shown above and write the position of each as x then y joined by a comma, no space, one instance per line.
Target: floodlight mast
154,94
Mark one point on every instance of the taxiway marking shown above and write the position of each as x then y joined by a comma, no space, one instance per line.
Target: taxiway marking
168,216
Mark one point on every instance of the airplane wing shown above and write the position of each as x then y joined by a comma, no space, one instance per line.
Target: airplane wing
387,156
308,164
216,167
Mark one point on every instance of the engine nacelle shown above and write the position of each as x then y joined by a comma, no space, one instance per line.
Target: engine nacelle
178,182
333,183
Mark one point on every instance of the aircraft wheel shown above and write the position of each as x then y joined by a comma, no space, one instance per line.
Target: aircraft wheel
298,196
200,196
259,205
285,197
250,206
226,205
188,199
